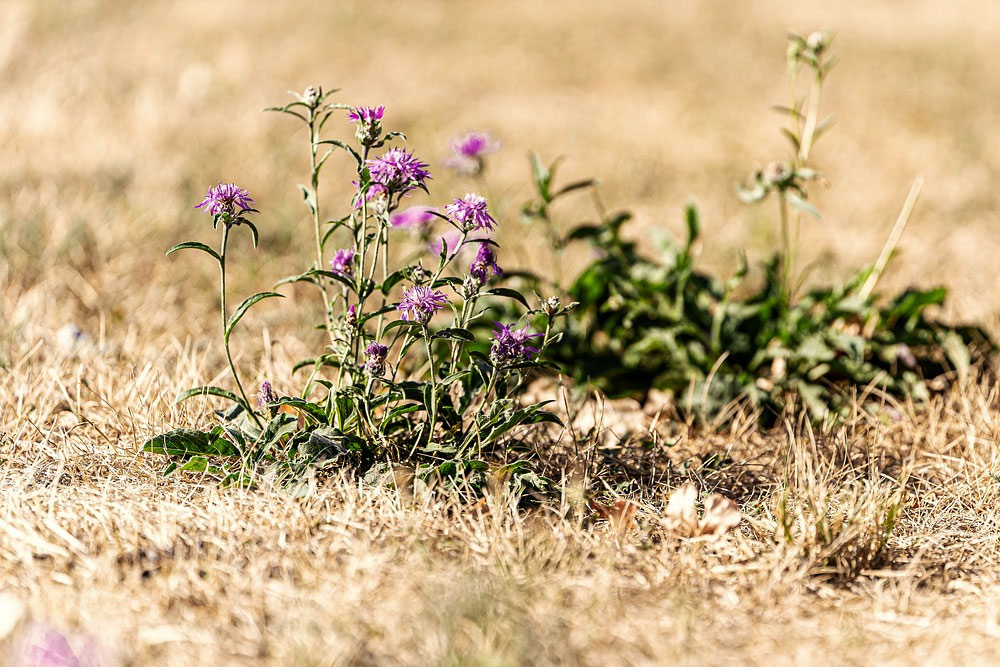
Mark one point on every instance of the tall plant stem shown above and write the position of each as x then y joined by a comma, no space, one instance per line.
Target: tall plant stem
314,183
788,258
432,408
225,322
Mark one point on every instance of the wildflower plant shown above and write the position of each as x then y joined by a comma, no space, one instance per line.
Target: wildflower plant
717,344
407,373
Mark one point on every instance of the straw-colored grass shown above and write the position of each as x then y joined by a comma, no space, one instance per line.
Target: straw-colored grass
114,117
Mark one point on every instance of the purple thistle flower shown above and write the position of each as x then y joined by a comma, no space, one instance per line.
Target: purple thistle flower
375,363
509,345
343,262
224,198
470,212
46,646
484,264
266,395
467,152
415,216
420,302
367,115
398,171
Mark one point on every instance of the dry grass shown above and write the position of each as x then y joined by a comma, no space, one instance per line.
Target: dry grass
113,117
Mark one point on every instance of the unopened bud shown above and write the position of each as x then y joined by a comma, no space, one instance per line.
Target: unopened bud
311,96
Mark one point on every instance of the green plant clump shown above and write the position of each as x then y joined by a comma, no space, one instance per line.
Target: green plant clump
645,323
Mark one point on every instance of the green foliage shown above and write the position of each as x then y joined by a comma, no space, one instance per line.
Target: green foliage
645,323
662,324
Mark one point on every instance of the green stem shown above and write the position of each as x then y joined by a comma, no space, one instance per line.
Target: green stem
225,322
314,182
787,259
432,408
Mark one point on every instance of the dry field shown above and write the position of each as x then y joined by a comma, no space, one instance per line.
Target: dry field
115,116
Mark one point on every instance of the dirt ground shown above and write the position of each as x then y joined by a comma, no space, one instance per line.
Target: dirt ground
116,116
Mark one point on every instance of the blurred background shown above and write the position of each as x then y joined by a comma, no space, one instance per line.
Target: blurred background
116,116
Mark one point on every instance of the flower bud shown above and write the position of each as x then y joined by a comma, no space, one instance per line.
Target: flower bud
419,274
470,287
311,96
775,173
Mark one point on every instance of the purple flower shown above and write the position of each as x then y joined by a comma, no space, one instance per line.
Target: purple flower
509,345
375,192
420,302
224,198
343,262
415,216
369,120
484,264
266,395
47,647
365,115
398,171
470,212
467,152
375,363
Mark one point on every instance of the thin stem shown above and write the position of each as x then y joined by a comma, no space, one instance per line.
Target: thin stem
432,408
314,182
786,242
225,321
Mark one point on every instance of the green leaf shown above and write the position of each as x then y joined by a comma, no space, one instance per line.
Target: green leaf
392,280
693,224
804,206
375,313
346,147
253,231
208,390
309,196
195,245
201,464
455,333
510,294
398,323
187,442
577,185
307,277
339,277
584,232
244,307
958,354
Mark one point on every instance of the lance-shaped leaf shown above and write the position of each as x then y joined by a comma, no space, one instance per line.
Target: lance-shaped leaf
188,442
244,307
195,245
211,391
